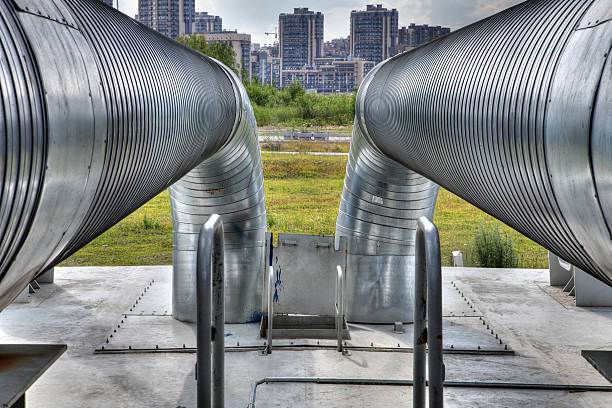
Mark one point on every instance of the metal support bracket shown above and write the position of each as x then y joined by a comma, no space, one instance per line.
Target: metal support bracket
428,305
340,310
210,314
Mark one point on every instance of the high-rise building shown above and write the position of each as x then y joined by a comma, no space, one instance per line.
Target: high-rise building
169,17
374,33
415,35
301,38
207,23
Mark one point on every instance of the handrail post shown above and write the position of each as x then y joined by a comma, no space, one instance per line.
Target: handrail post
270,308
210,314
340,306
428,305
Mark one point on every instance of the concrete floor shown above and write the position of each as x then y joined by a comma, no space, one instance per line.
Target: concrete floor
542,326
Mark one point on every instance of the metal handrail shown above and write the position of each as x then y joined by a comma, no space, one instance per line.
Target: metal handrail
428,305
270,308
210,300
340,306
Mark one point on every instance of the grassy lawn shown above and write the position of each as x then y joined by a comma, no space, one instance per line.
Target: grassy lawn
302,196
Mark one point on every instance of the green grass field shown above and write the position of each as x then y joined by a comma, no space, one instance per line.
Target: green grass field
302,196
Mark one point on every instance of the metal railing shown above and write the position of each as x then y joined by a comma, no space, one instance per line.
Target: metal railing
270,309
428,305
210,315
340,307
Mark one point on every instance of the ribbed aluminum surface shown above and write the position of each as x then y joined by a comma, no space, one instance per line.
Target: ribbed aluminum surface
512,114
230,184
101,114
381,203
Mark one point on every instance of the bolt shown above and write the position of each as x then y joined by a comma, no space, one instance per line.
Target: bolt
452,346
107,339
496,336
372,344
114,330
506,347
500,342
318,342
398,345
183,345
156,347
102,347
111,335
237,344
478,347
129,347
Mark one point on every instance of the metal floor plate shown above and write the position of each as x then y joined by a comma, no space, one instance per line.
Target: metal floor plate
465,330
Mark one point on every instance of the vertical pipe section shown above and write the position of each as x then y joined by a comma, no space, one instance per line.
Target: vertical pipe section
428,305
339,305
420,330
270,307
210,268
381,203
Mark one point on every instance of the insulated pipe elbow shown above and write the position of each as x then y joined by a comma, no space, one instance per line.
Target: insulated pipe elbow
229,183
381,204
512,114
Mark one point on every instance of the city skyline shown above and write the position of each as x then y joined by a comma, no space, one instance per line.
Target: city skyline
257,17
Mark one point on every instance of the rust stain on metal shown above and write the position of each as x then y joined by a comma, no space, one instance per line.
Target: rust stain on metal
212,191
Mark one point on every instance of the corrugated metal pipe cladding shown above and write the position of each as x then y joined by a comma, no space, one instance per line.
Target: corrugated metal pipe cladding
512,114
100,114
230,183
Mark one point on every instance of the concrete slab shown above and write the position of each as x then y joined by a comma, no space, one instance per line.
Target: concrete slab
148,325
84,305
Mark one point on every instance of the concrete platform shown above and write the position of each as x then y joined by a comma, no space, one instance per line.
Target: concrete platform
85,305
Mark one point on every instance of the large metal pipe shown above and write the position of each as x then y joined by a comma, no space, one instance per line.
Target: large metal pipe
229,183
99,114
511,113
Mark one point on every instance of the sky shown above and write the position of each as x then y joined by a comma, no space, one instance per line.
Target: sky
256,17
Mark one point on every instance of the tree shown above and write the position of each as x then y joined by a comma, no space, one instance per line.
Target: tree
220,51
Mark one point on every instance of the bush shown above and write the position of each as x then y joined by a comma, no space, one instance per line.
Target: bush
293,107
493,249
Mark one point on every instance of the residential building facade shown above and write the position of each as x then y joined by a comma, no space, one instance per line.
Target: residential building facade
301,38
416,35
207,23
374,33
171,18
338,47
336,76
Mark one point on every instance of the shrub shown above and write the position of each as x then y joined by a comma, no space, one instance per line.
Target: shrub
493,249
